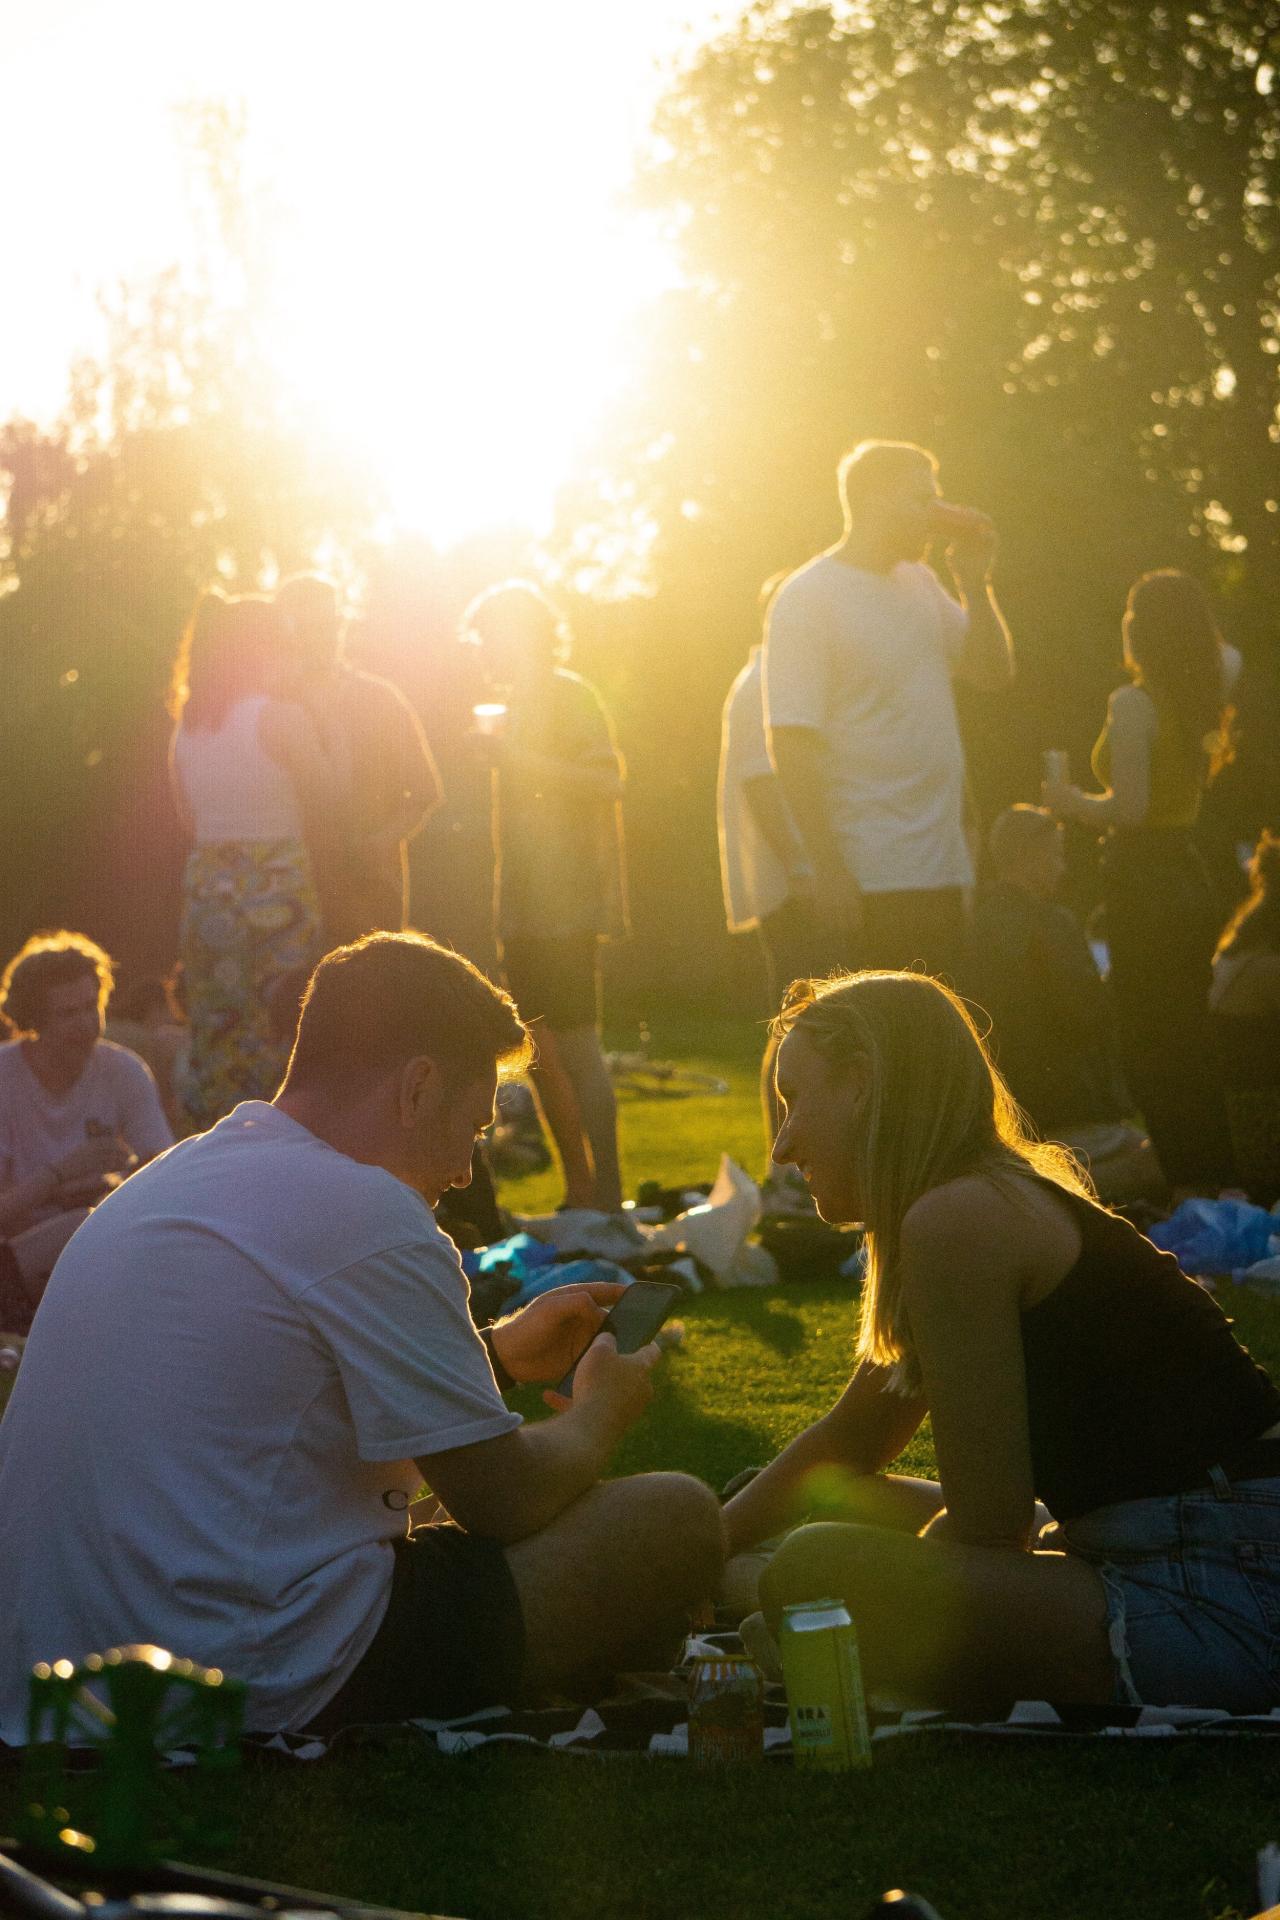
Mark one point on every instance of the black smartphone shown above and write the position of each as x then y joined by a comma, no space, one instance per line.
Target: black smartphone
632,1321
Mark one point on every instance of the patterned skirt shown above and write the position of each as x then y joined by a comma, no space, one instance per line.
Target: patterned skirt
250,916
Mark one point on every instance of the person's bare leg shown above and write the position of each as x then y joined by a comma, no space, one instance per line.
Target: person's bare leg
558,1103
609,1586
871,1499
584,1062
942,1623
38,1248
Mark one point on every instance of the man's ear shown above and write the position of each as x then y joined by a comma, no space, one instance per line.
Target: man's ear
419,1085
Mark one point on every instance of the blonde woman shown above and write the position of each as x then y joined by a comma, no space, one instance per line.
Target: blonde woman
1106,1524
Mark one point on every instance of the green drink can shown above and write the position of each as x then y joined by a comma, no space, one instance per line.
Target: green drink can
823,1675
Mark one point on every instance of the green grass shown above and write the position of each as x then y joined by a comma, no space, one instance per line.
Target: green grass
986,1830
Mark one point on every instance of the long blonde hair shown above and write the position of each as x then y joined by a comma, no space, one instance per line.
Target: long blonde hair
936,1109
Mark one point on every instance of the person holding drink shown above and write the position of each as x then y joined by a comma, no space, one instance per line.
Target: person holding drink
1166,736
560,886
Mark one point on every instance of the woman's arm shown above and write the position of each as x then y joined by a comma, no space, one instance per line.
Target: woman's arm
964,1256
1131,727
864,1433
181,804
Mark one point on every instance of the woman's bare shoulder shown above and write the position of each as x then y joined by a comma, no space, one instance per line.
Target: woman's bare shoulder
974,1212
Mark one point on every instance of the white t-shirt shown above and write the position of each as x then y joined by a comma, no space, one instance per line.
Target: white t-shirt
866,660
753,878
210,1443
234,790
37,1128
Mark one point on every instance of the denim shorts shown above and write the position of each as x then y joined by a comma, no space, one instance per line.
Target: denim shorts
1193,1593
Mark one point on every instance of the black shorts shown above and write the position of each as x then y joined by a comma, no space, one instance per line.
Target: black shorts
451,1641
793,948
557,981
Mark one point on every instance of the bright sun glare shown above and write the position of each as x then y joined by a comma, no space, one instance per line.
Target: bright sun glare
456,275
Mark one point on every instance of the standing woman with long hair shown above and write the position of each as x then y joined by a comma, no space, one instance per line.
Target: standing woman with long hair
1244,1004
252,786
1166,736
1105,1525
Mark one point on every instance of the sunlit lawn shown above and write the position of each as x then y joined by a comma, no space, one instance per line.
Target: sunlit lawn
1013,1829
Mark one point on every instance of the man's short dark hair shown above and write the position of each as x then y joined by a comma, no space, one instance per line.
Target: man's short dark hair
873,467
393,997
46,960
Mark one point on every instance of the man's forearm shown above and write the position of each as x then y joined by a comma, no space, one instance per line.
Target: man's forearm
521,1482
988,650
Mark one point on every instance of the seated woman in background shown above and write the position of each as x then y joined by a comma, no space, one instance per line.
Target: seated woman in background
1060,1358
1245,1003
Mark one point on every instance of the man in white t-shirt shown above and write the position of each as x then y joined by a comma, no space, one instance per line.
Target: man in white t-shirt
861,649
253,1355
76,1112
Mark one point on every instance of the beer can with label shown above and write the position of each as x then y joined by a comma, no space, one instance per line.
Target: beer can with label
726,1710
823,1675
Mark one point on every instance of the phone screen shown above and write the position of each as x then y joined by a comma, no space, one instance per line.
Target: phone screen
633,1320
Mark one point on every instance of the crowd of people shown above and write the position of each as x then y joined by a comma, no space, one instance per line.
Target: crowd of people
251,1353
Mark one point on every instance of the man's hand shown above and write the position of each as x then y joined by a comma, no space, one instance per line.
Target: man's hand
542,1340
971,551
82,1173
617,1384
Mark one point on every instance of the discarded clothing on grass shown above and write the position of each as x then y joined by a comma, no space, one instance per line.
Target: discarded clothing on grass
1217,1236
715,1233
807,1248
566,1273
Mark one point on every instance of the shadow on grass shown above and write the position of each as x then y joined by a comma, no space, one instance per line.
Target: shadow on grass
681,1436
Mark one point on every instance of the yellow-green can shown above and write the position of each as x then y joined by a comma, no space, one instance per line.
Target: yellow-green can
825,1701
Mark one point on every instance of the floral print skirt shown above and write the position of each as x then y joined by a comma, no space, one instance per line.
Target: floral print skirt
250,916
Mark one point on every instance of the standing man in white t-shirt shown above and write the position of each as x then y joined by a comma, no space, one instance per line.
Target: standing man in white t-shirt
253,1355
862,645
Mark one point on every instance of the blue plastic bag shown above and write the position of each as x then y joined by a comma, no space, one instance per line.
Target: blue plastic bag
1216,1236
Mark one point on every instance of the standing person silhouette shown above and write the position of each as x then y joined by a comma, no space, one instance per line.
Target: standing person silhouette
1165,736
560,886
861,647
368,728
254,792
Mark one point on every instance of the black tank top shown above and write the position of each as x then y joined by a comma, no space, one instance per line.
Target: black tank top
1135,1382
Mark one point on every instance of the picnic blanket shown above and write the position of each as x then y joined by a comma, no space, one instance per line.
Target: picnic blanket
649,1715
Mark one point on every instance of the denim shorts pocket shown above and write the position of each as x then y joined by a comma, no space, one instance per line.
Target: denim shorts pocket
1260,1566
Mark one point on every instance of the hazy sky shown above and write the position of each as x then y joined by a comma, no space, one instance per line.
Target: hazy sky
447,182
